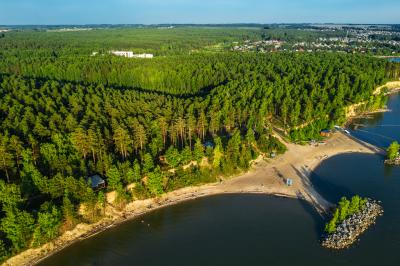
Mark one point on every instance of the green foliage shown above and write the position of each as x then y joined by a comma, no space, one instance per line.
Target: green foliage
4,253
135,173
393,151
114,178
345,209
173,157
155,182
312,130
190,177
186,155
377,102
68,212
148,163
18,227
330,227
217,156
267,144
198,152
10,195
47,226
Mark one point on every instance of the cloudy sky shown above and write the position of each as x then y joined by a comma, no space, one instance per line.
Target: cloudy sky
13,12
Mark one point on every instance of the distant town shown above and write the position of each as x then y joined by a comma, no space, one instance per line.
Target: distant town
339,38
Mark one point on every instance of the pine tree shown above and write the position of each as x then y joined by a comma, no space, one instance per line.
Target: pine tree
114,178
80,141
122,141
155,182
6,158
198,152
140,137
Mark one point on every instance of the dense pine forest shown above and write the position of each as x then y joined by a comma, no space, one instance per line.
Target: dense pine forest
65,116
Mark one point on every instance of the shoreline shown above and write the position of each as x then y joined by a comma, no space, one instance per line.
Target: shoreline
352,113
266,177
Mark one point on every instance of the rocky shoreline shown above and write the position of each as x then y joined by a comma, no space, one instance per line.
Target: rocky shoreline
393,162
350,229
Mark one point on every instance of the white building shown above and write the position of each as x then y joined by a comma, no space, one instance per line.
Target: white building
143,55
130,54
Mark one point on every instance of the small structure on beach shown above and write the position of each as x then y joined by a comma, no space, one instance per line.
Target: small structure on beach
289,182
96,182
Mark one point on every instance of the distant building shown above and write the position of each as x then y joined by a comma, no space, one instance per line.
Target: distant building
130,54
149,56
96,182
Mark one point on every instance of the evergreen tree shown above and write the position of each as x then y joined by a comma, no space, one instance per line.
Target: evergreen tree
198,152
155,182
114,178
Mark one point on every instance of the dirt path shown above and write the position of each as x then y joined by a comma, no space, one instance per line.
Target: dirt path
265,177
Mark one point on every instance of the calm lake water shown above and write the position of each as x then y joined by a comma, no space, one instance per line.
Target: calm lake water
261,230
395,59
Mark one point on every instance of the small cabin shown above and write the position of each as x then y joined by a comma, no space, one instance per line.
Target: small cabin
96,182
325,133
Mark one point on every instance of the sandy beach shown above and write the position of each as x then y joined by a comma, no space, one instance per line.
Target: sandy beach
267,176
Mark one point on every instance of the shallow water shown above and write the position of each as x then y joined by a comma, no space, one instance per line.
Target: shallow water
261,230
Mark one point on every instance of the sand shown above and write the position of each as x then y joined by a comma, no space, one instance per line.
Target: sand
392,86
267,176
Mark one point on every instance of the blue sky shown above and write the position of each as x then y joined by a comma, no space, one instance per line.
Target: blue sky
14,12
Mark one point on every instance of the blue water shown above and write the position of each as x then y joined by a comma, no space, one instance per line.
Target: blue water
383,128
395,59
260,230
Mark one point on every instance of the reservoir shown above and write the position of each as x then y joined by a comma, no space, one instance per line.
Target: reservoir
262,230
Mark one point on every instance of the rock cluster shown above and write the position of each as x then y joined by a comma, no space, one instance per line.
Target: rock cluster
350,229
393,162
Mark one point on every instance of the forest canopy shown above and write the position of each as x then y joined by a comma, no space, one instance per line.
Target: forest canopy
161,124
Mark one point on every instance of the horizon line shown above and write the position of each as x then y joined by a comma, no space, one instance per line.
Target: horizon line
200,24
